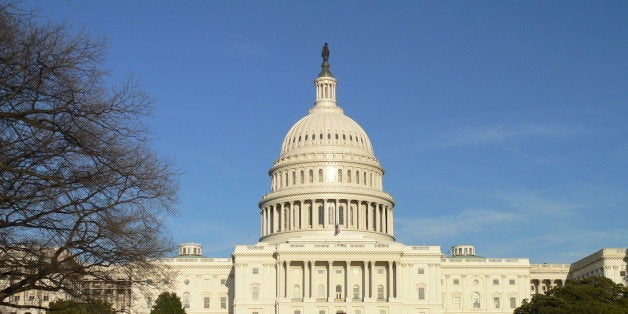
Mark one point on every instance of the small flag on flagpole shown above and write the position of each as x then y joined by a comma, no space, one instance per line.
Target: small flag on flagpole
337,230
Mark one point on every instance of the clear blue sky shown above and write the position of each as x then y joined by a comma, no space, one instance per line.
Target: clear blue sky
501,124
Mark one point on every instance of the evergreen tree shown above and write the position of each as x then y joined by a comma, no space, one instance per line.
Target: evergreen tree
590,295
168,303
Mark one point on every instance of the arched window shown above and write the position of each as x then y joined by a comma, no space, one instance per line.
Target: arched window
321,291
356,292
341,215
364,177
349,176
380,292
255,293
339,175
302,177
338,292
186,300
287,182
296,292
294,178
357,177
311,176
371,179
309,220
476,300
321,215
320,175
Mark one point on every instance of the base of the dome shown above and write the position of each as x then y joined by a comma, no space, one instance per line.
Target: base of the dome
327,235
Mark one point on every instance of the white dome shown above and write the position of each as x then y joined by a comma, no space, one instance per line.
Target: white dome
326,178
326,130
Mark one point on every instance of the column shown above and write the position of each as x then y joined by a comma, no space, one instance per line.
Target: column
289,216
387,213
274,221
262,226
392,222
306,280
380,210
303,215
312,265
390,282
325,213
348,282
365,280
397,279
279,272
314,215
368,219
287,283
329,291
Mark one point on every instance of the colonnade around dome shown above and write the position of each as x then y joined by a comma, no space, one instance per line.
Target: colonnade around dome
335,215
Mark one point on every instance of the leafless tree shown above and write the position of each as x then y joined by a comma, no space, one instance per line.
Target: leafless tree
81,192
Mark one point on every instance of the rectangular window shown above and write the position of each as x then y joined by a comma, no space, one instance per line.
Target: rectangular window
420,271
321,271
255,271
31,298
496,301
206,302
456,302
511,281
456,281
380,271
223,302
46,297
495,281
321,312
513,302
321,215
421,293
339,271
297,312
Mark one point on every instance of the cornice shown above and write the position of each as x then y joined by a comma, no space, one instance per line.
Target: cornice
326,192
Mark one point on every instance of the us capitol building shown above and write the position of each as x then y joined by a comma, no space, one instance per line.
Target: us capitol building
327,243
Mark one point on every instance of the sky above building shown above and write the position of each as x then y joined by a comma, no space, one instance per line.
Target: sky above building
500,124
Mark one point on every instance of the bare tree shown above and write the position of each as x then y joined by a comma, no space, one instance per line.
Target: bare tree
81,192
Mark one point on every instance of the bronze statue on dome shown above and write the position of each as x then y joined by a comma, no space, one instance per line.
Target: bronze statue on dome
325,53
